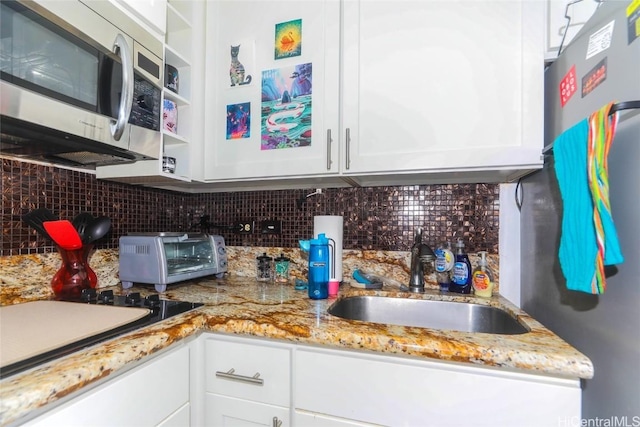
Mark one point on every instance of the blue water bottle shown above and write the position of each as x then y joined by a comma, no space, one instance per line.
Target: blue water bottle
319,267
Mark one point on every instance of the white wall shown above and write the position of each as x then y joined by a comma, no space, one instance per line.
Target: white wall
509,244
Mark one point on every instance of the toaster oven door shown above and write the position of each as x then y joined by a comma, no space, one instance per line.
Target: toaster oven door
188,256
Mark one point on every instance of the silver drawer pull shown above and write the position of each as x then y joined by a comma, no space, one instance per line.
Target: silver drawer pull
231,376
276,422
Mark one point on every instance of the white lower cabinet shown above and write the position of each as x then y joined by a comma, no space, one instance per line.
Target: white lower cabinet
227,411
248,382
313,386
223,380
310,419
180,418
397,391
155,393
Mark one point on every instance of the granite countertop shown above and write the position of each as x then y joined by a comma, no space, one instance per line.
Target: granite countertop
244,306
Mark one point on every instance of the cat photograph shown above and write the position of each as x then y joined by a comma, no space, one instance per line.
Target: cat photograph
236,71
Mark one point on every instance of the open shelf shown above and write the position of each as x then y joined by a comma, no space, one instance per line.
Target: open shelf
169,138
178,48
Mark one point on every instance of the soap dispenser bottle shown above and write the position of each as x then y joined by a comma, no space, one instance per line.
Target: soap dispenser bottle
482,277
444,265
461,280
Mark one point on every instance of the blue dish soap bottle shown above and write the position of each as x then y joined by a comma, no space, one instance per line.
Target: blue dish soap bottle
461,279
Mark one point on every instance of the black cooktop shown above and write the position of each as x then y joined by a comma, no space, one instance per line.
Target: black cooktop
160,309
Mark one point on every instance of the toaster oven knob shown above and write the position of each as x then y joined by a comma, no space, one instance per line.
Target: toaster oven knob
106,297
132,298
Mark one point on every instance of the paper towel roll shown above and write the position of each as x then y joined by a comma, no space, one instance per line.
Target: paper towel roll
332,227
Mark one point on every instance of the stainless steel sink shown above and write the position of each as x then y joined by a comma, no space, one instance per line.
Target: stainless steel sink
458,316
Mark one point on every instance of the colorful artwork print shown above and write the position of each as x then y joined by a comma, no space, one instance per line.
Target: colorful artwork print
169,116
239,121
286,107
288,42
236,69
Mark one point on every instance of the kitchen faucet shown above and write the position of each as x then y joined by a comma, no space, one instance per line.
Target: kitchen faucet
420,255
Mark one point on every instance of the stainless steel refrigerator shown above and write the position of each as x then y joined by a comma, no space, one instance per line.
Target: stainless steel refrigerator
606,327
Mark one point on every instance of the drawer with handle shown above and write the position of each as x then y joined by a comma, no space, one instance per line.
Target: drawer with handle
246,370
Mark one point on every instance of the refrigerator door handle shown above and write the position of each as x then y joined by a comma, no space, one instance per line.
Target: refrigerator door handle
626,105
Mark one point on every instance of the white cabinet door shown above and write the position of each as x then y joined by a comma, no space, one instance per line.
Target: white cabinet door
399,391
248,369
180,418
145,396
151,12
223,411
439,86
247,382
282,135
309,419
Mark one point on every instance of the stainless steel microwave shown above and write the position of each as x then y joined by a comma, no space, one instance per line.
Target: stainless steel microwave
77,88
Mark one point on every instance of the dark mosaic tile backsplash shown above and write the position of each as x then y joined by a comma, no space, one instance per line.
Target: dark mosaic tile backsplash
375,218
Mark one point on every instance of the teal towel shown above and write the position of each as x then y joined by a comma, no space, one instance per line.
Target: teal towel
578,247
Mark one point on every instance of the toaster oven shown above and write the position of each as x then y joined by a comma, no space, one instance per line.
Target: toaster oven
164,258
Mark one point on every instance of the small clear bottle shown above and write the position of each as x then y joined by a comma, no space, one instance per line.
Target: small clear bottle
444,265
264,268
282,269
482,277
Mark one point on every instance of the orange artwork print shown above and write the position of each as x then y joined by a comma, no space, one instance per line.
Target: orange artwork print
288,40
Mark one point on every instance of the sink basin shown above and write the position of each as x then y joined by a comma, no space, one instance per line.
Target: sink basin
457,316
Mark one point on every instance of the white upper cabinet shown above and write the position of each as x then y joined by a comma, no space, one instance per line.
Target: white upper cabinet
152,12
352,92
442,87
278,112
579,12
403,91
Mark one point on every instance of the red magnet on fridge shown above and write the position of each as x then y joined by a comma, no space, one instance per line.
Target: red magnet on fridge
568,86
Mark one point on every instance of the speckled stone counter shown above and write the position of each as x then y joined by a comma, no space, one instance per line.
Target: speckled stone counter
243,306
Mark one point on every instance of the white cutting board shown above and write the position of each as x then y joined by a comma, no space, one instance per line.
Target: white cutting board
35,327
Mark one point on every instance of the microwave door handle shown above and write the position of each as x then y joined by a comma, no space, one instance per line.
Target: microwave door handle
121,47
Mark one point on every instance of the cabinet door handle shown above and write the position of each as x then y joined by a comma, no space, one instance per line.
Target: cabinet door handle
276,422
329,141
348,148
229,375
